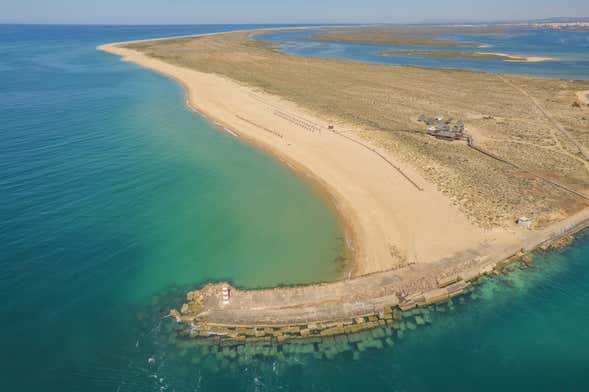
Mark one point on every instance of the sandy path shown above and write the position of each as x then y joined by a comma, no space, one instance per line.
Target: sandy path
389,221
558,126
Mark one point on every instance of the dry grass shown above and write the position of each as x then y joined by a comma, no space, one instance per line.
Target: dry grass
410,35
451,54
384,100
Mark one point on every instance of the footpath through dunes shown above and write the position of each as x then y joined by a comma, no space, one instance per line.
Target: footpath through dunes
408,242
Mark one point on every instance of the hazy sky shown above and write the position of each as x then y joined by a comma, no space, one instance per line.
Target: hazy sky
279,11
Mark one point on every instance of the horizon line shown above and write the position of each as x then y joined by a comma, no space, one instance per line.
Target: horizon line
430,22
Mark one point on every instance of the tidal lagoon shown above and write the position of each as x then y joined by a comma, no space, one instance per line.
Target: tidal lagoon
567,51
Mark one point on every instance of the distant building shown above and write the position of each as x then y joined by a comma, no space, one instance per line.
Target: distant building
441,129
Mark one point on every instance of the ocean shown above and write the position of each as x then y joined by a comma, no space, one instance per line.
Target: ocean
115,199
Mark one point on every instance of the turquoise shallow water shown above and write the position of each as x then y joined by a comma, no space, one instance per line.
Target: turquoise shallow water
115,199
112,190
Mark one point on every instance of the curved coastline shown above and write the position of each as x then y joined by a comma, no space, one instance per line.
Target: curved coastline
384,233
379,281
343,213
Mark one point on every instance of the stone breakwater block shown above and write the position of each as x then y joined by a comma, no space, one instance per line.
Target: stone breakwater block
369,344
281,338
358,327
174,313
186,319
378,333
487,270
469,275
291,329
354,338
342,340
447,281
333,331
184,309
364,335
250,332
456,288
361,346
436,295
415,297
407,305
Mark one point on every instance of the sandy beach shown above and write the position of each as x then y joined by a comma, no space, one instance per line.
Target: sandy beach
390,221
392,215
520,58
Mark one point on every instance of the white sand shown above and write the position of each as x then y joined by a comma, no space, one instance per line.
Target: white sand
514,58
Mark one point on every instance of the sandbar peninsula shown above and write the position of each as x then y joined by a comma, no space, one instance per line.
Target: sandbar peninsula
424,215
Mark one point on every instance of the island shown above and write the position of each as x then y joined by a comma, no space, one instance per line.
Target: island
407,35
465,55
428,203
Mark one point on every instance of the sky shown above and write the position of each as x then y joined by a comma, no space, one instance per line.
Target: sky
281,11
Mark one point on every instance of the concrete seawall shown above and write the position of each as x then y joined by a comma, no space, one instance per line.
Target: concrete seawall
345,306
335,308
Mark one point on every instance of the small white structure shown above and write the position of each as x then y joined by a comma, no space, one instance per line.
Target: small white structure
524,222
225,295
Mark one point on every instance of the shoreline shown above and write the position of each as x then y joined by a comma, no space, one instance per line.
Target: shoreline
514,58
329,195
374,239
467,55
363,238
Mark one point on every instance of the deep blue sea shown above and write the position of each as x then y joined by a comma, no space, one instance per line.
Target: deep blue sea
568,49
115,198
